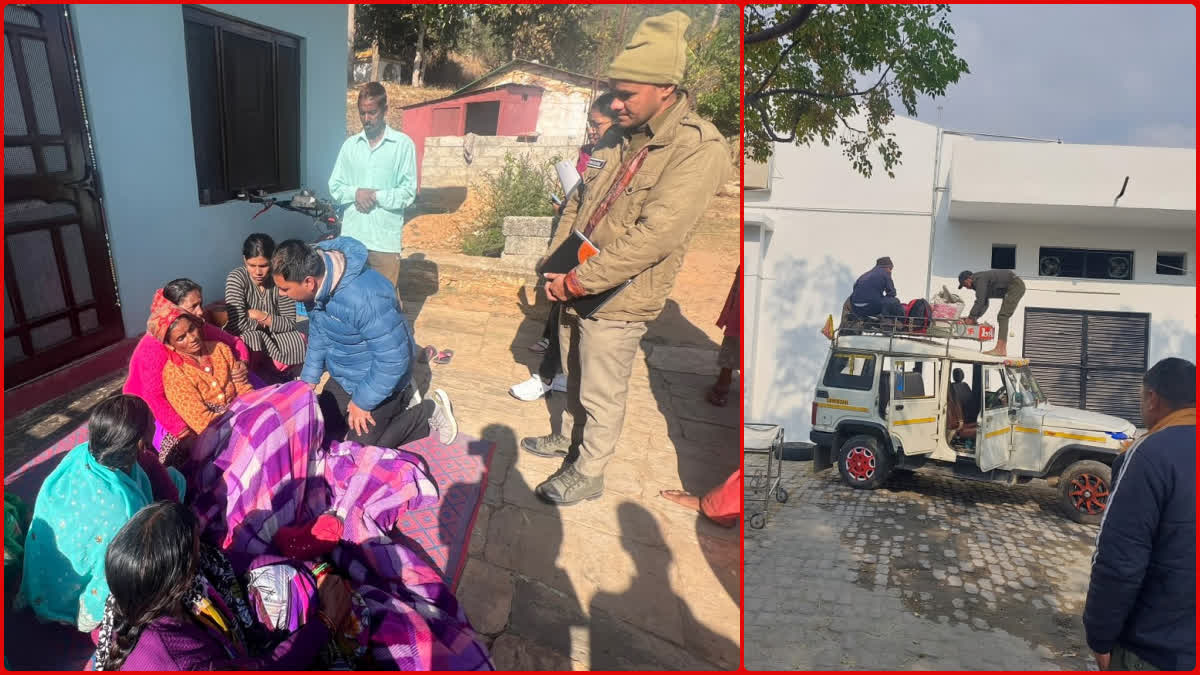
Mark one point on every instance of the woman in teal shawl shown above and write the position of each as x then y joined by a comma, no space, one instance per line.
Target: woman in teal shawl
84,503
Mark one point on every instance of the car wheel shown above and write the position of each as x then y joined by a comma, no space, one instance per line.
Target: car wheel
864,463
1083,491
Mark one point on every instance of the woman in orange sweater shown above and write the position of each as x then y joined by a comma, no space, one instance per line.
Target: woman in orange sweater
201,378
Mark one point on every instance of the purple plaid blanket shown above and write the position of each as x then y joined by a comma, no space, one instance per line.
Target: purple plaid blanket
262,467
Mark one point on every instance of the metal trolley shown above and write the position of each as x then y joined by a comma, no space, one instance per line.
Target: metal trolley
761,484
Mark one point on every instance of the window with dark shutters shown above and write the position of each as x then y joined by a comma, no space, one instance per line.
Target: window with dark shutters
244,86
1171,264
1081,263
1004,257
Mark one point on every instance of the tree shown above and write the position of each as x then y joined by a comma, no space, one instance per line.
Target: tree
349,44
712,72
419,32
816,71
585,39
555,35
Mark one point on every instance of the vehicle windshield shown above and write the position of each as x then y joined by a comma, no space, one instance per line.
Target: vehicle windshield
1024,381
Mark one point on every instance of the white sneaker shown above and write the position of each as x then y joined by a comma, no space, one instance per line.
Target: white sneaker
559,383
442,420
529,390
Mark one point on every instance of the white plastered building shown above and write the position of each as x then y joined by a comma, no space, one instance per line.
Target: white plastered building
1110,279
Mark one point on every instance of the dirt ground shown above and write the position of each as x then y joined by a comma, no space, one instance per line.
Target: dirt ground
700,289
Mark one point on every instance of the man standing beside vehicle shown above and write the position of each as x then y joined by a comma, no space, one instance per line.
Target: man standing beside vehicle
1141,603
1002,284
375,179
646,188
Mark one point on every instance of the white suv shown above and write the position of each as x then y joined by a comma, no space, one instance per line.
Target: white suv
887,403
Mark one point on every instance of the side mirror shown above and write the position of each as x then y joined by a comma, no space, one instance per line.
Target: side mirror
1019,399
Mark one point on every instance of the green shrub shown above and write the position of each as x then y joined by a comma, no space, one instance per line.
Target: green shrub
522,187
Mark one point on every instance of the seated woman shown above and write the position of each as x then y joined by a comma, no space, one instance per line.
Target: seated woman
82,504
150,356
264,319
176,604
201,377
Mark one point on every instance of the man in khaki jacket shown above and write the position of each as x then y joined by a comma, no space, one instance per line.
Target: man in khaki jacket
643,237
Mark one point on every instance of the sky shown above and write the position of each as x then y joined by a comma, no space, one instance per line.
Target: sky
1097,74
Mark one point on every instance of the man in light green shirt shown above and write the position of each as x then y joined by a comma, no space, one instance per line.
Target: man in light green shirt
375,178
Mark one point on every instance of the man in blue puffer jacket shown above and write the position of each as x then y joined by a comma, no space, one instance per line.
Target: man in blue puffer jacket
358,333
1141,604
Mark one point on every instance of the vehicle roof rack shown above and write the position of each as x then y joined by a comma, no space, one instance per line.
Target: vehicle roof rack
939,332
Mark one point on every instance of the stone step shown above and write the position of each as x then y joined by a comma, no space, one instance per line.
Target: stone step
425,274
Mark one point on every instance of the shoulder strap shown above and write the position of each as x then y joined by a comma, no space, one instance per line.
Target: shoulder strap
624,178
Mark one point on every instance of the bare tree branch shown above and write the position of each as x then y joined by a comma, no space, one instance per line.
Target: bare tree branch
771,135
791,24
782,57
847,125
759,95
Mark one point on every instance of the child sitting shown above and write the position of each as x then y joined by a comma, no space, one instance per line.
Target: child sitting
201,378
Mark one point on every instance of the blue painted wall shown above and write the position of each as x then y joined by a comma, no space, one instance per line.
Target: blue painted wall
134,73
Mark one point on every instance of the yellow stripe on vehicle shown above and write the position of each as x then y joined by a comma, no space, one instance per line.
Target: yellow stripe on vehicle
998,432
923,420
1076,437
1026,430
842,407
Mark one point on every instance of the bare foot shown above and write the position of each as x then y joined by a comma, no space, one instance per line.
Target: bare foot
684,499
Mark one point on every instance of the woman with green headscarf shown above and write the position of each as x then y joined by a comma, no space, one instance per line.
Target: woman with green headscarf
83,503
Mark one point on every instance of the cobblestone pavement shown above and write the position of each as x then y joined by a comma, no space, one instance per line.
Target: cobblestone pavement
927,573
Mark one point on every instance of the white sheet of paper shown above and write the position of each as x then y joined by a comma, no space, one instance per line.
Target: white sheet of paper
567,176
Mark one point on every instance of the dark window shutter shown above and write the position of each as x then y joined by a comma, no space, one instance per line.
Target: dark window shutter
288,77
244,86
249,79
201,45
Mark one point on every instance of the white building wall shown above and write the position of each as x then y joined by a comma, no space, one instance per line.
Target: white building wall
563,113
830,224
1170,300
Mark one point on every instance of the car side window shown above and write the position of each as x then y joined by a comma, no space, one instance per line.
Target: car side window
995,392
912,377
847,370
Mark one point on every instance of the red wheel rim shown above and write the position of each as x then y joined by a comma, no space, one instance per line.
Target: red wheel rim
1089,494
860,463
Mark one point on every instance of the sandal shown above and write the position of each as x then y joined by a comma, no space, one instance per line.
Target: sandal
718,396
540,346
444,357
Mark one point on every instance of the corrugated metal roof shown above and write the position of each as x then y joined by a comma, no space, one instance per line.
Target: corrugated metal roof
564,75
460,93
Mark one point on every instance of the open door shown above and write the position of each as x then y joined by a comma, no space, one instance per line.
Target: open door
995,421
60,296
914,416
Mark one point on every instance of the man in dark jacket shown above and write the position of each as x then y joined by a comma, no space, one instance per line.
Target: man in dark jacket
994,284
1141,604
359,335
875,294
